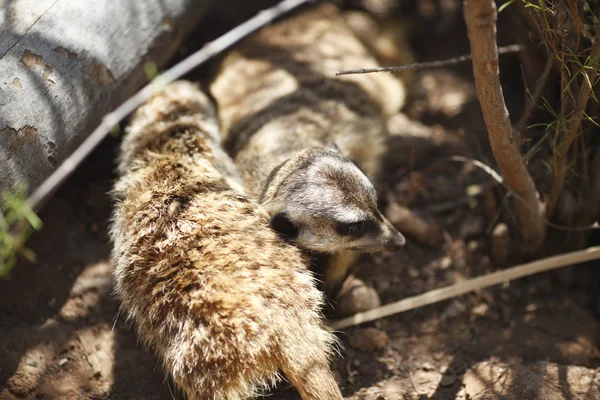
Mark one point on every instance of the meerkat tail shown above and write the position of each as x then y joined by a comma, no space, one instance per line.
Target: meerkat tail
303,365
212,290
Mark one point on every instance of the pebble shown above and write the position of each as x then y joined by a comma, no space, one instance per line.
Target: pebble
501,244
358,297
472,227
368,339
455,309
448,380
427,366
480,309
473,245
445,262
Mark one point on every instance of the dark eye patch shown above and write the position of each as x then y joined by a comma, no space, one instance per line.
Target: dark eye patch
356,229
282,224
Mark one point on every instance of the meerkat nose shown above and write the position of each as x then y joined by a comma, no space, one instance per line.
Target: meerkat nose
396,242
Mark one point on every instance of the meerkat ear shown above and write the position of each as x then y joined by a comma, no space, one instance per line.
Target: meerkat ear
335,147
282,224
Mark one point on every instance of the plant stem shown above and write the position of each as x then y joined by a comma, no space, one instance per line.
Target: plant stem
480,16
573,129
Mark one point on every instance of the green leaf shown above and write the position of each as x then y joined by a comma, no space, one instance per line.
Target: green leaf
503,6
151,70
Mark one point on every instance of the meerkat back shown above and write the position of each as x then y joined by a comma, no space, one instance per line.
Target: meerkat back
212,290
281,108
276,93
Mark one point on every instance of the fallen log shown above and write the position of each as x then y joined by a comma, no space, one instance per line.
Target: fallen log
64,64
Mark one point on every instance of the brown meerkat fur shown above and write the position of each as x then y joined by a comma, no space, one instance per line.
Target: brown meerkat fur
212,289
281,107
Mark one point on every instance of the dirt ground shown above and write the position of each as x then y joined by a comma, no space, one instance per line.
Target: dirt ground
61,336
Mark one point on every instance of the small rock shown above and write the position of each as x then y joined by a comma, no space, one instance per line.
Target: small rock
531,308
501,246
368,339
448,380
413,272
63,361
473,190
472,226
358,297
480,309
454,310
445,262
87,341
507,313
427,366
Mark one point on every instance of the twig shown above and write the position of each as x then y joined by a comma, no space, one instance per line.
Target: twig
513,48
58,177
496,177
456,202
471,285
492,173
573,129
533,149
537,96
594,196
480,17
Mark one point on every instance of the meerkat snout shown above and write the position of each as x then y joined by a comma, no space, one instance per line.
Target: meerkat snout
322,201
395,240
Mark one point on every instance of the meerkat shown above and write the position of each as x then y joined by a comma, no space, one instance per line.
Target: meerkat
220,298
281,109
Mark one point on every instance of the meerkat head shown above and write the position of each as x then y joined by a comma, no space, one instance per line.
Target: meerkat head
322,201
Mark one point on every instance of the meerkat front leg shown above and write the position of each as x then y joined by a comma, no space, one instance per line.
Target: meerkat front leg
336,270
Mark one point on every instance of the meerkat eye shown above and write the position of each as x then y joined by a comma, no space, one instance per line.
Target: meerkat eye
355,229
282,224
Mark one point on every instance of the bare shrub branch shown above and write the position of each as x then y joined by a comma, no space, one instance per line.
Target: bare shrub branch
480,17
573,129
475,284
513,48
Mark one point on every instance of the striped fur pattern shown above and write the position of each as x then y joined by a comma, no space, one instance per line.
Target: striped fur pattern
308,144
223,302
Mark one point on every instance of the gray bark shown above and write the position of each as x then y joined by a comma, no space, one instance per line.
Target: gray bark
66,63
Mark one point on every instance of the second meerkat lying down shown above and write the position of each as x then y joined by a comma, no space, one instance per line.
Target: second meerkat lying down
281,108
223,302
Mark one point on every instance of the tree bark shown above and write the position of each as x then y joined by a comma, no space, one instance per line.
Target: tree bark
480,16
66,63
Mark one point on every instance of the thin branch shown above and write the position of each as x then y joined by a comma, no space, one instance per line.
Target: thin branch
496,177
491,172
594,196
573,129
480,17
513,48
458,289
537,96
456,202
60,175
